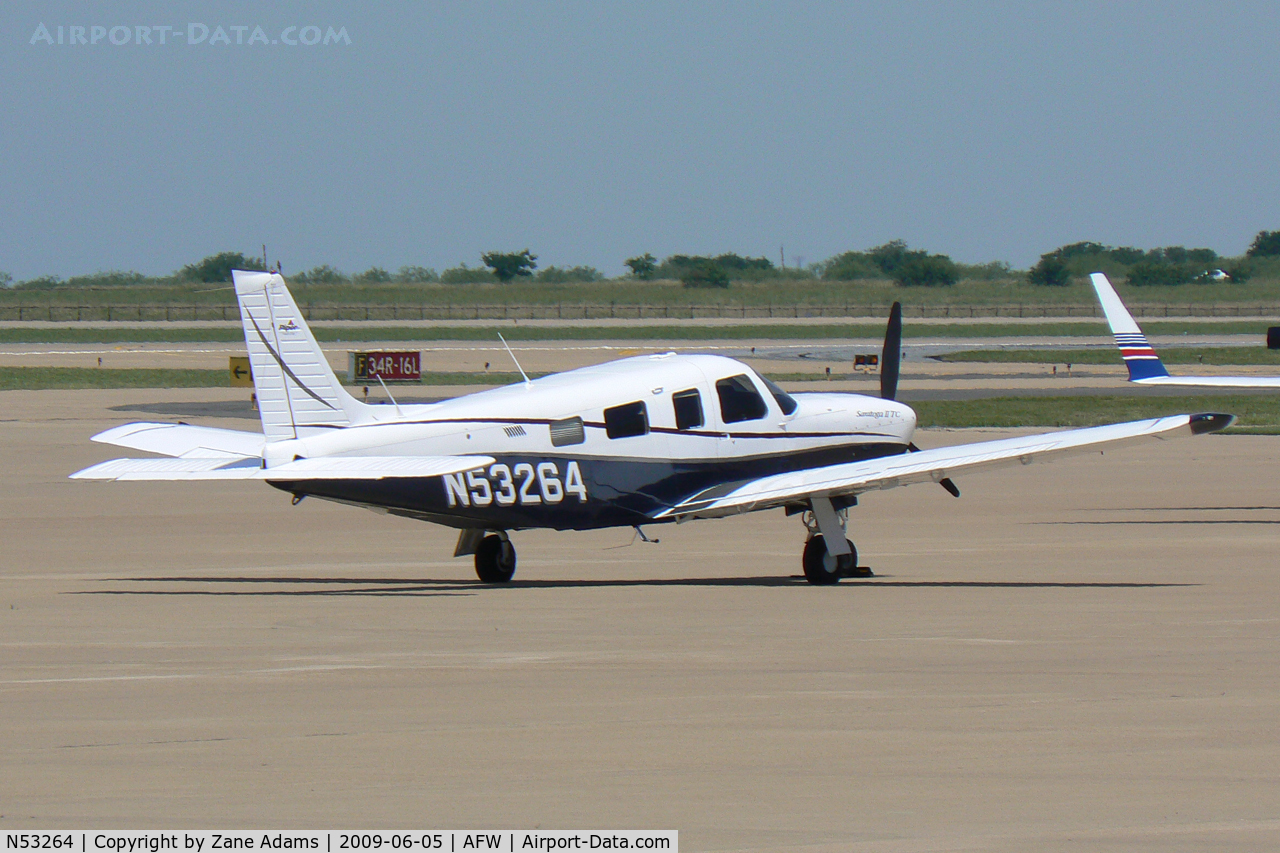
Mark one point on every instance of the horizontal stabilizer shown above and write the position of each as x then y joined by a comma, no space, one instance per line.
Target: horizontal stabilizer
172,469
185,440
934,465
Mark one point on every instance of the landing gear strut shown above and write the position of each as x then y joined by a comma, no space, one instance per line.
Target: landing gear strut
495,558
823,563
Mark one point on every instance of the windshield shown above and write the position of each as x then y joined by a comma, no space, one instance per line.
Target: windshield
785,401
739,400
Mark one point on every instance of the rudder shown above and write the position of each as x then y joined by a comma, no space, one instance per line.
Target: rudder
298,393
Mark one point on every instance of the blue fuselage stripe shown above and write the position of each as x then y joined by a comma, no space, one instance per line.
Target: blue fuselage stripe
619,491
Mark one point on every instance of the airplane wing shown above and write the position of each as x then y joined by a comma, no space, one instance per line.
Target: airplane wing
852,478
321,468
185,440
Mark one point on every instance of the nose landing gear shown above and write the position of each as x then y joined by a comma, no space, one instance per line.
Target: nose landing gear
495,558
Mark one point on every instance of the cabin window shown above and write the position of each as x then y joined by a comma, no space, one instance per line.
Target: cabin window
739,400
626,420
688,406
785,401
567,431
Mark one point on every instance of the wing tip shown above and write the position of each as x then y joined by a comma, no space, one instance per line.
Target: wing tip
1210,422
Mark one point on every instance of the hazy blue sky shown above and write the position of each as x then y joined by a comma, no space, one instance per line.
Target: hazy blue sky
590,132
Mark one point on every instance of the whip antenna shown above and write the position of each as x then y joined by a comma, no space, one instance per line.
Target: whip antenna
527,383
378,377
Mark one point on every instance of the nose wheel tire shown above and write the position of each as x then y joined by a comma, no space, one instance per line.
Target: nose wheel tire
823,568
495,559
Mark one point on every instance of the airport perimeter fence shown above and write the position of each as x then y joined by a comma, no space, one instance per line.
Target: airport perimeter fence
560,311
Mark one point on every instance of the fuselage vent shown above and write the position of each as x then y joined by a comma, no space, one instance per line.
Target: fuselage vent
513,431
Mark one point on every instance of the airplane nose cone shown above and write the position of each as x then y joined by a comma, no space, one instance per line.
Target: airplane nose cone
909,419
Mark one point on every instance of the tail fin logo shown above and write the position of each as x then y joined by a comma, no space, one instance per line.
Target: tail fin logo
290,326
1139,357
1133,345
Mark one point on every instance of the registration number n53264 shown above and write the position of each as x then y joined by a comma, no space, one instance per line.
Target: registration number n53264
525,483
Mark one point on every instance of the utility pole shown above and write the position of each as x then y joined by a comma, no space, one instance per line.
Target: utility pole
782,254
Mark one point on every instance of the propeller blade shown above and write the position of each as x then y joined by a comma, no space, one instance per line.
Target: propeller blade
891,355
945,482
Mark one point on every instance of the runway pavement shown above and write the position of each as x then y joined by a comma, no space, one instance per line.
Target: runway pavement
922,378
1075,656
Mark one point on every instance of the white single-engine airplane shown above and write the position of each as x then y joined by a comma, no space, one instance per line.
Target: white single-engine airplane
637,441
1145,367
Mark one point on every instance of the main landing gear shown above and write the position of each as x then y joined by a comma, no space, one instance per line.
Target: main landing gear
495,558
823,567
823,563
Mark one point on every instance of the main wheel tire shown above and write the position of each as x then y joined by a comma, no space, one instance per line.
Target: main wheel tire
495,559
823,568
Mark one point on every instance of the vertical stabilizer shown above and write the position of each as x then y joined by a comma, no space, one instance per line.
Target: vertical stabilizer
1139,357
298,393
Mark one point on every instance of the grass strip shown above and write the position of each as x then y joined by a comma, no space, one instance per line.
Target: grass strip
1217,356
1256,413
122,335
45,378
747,332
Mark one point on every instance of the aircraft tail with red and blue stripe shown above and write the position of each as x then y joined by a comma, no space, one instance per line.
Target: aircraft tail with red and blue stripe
1142,361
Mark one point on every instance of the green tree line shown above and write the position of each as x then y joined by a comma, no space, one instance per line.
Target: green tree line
894,261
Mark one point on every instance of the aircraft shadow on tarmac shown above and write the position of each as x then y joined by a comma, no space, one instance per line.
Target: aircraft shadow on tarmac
1175,521
1188,521
211,409
453,586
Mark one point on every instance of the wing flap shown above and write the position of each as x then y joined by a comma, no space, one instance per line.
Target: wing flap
931,465
185,440
321,468
372,467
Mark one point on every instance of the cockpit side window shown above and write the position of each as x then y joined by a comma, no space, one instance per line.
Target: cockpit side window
688,406
626,420
739,400
785,401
